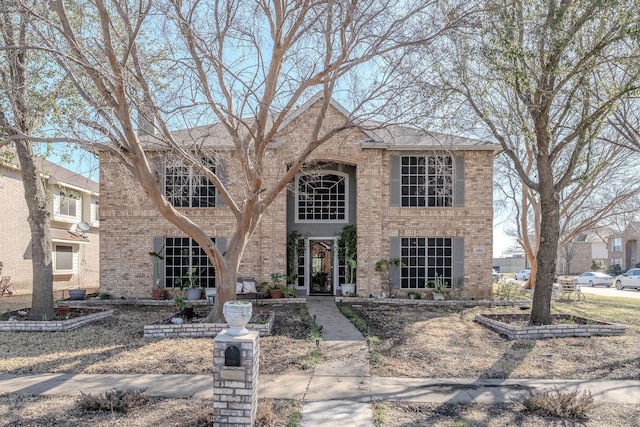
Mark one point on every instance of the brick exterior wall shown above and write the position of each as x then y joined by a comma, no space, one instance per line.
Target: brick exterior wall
129,222
15,241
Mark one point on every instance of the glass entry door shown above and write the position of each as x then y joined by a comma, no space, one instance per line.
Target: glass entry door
320,267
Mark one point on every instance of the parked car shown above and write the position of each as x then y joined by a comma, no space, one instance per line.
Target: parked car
496,275
523,274
594,278
630,279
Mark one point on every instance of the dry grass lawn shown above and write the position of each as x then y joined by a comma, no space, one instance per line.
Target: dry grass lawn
415,342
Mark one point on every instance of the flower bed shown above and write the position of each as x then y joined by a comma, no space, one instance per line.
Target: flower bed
17,322
198,328
515,326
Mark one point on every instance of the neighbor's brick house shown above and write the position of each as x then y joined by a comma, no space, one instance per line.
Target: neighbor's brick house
74,206
426,198
623,247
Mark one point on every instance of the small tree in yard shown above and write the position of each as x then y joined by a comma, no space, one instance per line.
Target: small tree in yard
384,267
243,64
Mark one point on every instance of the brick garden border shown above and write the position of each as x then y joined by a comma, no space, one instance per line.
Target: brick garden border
163,329
54,325
583,327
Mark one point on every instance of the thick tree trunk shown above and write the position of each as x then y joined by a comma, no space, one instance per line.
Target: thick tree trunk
41,246
546,256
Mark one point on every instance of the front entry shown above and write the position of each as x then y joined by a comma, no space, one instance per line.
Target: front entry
320,267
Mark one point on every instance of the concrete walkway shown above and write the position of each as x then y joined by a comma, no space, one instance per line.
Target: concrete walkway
338,392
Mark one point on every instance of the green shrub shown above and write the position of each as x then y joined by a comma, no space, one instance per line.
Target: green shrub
113,400
558,404
507,290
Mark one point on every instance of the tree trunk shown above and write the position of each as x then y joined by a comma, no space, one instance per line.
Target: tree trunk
41,246
546,256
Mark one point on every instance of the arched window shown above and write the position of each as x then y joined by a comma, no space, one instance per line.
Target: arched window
322,197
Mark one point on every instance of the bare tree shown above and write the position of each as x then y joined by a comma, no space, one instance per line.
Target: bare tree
599,195
549,74
242,64
21,109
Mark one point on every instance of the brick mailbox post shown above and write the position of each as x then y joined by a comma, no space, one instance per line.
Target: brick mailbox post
235,379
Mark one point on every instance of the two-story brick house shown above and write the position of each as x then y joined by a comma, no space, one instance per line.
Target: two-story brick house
426,198
623,247
74,205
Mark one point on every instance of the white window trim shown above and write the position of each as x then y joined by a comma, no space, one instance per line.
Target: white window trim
57,205
297,219
74,258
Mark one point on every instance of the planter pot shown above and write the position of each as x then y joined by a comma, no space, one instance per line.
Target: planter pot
194,293
438,297
237,314
63,310
159,294
276,293
210,292
77,294
348,289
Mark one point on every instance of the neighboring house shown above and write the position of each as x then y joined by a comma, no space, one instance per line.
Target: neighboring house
426,198
579,255
74,206
623,247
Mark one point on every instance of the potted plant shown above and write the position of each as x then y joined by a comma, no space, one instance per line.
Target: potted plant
440,289
347,254
277,288
349,288
383,267
189,281
77,294
237,314
158,291
414,295
186,310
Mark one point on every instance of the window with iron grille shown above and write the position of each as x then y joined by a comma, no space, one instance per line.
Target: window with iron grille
182,254
322,197
424,259
427,181
187,188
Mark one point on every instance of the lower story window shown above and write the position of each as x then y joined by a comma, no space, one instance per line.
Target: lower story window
184,255
425,259
63,259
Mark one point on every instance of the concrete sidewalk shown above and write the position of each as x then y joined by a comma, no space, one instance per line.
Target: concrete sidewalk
353,389
338,392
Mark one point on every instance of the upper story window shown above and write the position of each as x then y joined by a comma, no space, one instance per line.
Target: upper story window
95,212
617,244
322,196
427,181
69,203
186,188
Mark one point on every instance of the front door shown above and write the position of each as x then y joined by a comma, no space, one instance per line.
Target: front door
320,267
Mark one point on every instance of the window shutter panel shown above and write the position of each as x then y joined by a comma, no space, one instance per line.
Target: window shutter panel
221,170
458,262
458,197
394,252
394,181
158,264
221,244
